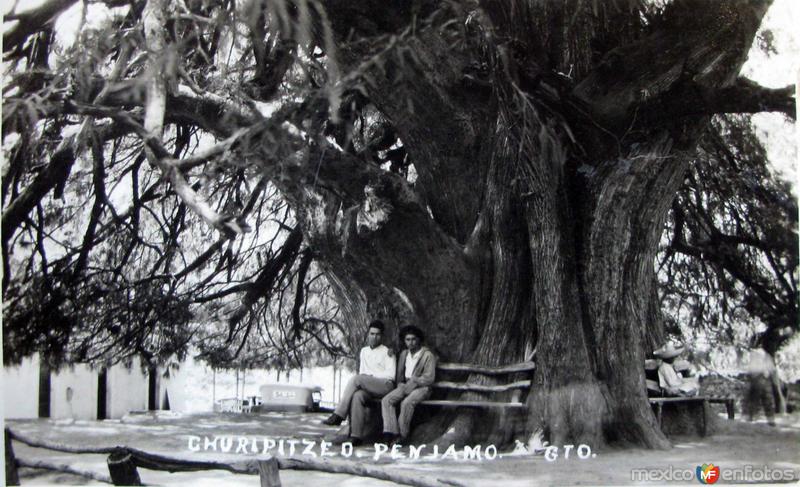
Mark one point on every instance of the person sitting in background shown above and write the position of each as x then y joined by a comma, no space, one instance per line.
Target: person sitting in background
376,373
669,379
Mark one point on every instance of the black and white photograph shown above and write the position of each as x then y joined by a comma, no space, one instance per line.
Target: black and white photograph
450,243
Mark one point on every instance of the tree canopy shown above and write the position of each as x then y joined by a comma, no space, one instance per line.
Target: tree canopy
729,257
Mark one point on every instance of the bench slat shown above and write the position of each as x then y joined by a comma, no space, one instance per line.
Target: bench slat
457,386
474,404
485,369
720,400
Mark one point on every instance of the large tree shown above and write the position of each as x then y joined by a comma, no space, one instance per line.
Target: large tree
497,173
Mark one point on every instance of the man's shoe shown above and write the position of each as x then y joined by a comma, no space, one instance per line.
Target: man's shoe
333,420
388,438
355,441
339,439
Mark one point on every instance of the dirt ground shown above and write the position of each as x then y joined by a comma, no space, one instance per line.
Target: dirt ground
748,447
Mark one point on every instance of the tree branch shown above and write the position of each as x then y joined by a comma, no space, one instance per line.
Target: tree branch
55,174
692,99
202,157
32,21
162,159
299,297
213,113
266,279
707,46
98,180
717,255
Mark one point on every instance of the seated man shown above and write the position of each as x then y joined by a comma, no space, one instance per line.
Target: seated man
375,378
416,370
668,378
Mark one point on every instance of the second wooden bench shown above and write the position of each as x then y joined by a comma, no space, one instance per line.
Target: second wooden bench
519,388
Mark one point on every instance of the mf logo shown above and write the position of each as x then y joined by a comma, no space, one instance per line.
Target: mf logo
707,473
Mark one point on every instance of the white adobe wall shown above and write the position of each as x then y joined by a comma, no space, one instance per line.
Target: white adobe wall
190,388
81,402
20,386
199,392
126,390
175,387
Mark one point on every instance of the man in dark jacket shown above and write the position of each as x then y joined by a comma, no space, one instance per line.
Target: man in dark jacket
416,371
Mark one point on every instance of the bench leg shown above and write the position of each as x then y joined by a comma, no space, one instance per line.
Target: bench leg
706,412
729,408
12,476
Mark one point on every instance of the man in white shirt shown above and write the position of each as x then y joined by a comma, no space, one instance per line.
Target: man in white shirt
376,373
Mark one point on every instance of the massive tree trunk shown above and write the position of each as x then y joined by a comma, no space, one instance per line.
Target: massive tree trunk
540,199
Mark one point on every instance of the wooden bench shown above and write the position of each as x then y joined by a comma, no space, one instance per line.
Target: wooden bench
516,402
704,401
519,388
658,399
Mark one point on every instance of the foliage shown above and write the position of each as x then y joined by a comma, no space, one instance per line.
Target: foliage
112,262
729,255
117,241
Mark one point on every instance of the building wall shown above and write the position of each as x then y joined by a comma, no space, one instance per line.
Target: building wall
20,388
126,390
191,388
174,386
81,402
